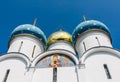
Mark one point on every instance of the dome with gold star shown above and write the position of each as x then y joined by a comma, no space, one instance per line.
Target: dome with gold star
59,36
31,30
88,25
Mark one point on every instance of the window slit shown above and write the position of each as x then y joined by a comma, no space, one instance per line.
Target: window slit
55,74
33,50
20,46
98,41
84,46
6,75
107,71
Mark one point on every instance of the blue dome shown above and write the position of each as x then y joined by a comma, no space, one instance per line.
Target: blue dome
29,29
87,25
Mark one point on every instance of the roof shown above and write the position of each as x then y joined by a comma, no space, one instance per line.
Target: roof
59,36
88,25
30,29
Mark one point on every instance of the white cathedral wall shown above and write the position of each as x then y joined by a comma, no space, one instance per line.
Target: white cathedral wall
81,75
67,74
25,45
14,45
43,75
62,45
17,70
64,74
94,70
90,40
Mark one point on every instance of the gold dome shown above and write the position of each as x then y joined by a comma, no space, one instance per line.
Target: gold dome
59,36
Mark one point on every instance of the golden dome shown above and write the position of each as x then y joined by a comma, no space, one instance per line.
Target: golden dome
59,36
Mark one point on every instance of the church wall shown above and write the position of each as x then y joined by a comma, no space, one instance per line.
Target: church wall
43,75
12,70
102,67
67,74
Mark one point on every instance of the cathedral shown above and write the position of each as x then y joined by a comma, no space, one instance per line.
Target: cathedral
86,55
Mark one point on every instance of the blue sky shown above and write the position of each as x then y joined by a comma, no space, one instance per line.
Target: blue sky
52,13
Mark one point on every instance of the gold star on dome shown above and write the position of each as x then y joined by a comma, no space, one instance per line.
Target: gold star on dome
38,32
23,25
28,28
81,28
94,23
40,39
